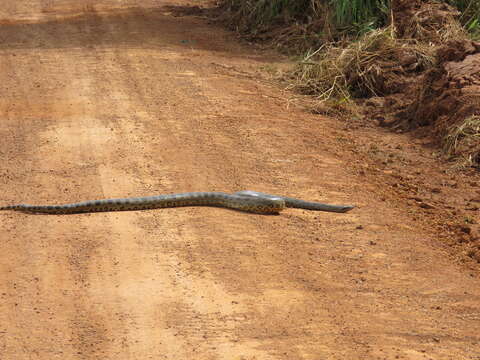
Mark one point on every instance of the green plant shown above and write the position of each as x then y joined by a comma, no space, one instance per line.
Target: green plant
260,13
360,14
474,29
470,15
307,23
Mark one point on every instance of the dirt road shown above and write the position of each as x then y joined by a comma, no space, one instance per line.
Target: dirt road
103,100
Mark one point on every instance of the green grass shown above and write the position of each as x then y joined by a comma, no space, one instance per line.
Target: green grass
360,15
470,17
349,16
266,12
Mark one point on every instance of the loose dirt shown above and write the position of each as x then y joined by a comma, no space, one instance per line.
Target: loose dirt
441,101
105,100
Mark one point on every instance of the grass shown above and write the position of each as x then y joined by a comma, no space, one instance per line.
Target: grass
362,15
361,69
352,17
356,53
307,23
261,13
470,17
463,142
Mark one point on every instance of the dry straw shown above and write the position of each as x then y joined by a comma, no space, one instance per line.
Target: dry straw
463,141
364,68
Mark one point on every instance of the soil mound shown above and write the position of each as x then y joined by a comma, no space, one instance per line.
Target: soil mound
444,97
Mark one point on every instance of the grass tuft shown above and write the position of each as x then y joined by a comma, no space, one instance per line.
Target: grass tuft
463,141
367,67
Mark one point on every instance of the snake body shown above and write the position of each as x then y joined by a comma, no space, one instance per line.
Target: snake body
249,201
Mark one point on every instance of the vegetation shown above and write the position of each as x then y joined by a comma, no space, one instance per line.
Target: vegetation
259,14
470,17
361,69
336,16
462,141
360,15
391,52
331,19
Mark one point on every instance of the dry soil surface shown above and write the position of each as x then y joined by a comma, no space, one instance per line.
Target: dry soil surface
110,98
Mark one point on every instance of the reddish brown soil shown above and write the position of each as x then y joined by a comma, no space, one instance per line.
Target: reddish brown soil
432,100
101,100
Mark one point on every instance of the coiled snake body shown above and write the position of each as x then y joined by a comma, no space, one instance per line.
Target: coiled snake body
249,201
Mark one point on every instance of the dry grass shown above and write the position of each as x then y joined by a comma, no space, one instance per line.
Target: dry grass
370,66
463,142
398,64
292,26
436,23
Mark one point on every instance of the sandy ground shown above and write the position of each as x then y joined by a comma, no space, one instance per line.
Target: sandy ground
122,98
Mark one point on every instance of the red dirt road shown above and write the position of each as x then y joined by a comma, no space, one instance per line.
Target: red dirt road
103,100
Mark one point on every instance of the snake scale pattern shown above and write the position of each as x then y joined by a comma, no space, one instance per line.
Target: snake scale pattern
248,201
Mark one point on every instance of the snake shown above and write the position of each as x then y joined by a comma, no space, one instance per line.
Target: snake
246,201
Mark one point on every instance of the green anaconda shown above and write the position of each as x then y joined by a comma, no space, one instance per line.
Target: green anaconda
249,201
